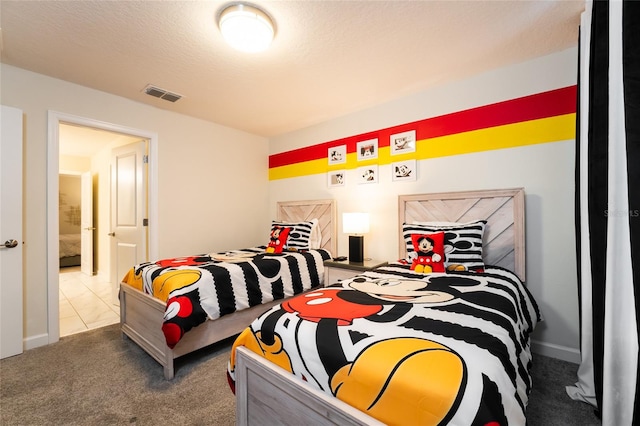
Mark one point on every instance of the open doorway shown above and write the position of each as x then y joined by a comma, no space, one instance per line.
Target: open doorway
64,151
84,299
86,296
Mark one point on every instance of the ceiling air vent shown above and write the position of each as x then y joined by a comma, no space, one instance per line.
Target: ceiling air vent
161,93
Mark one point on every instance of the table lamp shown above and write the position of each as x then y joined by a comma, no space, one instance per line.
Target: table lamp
355,224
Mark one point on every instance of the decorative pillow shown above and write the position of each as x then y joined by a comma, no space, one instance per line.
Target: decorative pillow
300,235
439,223
278,238
315,241
428,252
462,243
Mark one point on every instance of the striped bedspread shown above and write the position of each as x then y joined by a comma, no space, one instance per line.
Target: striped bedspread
407,348
208,286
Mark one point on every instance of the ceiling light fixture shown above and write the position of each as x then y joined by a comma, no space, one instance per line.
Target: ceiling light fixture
246,28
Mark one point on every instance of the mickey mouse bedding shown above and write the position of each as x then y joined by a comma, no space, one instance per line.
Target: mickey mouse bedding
409,348
208,286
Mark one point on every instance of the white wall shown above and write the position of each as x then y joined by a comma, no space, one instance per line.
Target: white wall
71,163
545,171
212,179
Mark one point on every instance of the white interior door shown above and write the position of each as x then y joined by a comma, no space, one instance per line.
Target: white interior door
86,224
128,210
10,232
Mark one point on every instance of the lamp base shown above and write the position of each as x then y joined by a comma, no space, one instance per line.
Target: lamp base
356,248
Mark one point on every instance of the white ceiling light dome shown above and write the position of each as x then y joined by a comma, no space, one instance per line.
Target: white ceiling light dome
246,27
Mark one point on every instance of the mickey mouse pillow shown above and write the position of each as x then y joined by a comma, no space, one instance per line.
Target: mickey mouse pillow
428,252
277,239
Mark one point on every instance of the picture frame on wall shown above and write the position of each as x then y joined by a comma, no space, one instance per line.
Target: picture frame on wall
368,174
367,150
336,178
402,143
404,171
337,154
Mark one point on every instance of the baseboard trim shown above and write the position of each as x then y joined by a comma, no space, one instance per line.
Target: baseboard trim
36,341
563,353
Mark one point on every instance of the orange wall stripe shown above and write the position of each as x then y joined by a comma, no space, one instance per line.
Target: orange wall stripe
544,130
547,104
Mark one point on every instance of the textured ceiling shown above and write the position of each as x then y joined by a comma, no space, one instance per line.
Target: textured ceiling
328,58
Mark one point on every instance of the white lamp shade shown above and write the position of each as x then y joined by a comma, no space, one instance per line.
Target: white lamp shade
246,28
355,223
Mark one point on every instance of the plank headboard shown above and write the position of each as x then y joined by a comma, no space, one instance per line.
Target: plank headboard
323,210
504,237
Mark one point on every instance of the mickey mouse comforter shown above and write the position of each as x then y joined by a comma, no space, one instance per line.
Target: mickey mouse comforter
208,286
407,348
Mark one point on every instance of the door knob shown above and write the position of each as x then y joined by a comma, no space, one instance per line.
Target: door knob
111,234
10,243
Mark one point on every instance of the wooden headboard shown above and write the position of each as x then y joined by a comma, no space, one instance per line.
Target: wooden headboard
323,210
503,209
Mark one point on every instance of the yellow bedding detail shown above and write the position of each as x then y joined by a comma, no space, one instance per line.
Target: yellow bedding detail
133,280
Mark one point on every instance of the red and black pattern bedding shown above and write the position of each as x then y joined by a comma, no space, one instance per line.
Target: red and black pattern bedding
407,348
208,286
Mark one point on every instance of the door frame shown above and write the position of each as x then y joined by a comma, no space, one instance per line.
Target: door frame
87,225
54,119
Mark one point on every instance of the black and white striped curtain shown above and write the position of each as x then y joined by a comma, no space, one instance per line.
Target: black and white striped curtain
608,210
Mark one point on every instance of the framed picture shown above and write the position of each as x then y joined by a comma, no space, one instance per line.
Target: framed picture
404,171
368,174
367,150
337,154
336,178
402,143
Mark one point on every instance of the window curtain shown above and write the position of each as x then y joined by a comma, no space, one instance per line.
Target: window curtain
608,209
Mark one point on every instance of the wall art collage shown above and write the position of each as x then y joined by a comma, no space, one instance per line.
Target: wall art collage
366,150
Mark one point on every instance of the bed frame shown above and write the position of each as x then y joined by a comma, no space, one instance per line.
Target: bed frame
267,394
141,315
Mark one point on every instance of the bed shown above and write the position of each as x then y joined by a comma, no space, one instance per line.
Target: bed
165,333
69,250
397,345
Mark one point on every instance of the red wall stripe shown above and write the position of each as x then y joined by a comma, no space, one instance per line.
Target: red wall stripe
541,105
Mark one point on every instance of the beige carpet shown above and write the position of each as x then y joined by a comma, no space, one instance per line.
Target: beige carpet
99,378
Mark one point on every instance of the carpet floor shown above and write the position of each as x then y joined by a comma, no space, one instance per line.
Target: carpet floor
100,378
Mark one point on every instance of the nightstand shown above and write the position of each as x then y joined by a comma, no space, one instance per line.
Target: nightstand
336,271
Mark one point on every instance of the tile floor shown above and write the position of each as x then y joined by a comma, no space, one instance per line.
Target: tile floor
85,302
